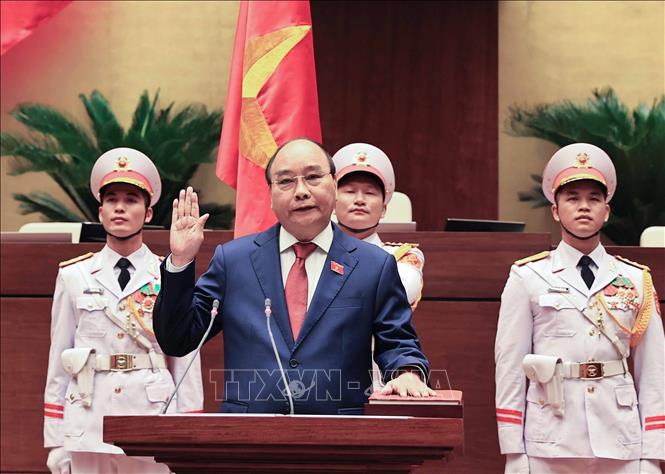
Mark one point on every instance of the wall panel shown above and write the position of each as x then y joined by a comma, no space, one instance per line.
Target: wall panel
419,80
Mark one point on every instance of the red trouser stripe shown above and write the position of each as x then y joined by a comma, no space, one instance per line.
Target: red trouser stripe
53,415
503,411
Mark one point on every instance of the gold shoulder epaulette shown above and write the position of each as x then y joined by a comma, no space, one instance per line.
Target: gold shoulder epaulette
633,264
398,244
532,258
402,251
80,258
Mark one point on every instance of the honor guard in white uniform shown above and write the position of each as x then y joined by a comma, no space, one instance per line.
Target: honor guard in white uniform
104,358
570,322
365,185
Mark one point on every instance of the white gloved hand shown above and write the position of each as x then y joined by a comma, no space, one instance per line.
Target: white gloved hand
59,461
517,463
650,466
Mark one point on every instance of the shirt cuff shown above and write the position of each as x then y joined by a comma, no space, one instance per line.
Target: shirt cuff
172,268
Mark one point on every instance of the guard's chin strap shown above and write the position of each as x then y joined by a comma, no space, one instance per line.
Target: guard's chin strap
356,231
127,237
577,236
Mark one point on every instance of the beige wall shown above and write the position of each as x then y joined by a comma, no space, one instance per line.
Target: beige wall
550,51
119,48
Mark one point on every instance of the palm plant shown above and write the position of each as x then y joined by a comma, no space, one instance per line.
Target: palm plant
635,142
177,142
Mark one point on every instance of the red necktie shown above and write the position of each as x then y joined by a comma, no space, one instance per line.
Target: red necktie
296,287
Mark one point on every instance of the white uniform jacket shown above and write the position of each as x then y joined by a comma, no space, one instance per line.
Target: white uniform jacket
410,263
78,320
617,417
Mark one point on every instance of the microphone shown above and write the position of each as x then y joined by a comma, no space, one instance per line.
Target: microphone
213,314
268,312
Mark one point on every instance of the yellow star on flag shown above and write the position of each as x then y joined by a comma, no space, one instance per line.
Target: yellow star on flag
263,55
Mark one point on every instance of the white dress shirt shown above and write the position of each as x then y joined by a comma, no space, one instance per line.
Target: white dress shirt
134,259
571,257
313,264
287,257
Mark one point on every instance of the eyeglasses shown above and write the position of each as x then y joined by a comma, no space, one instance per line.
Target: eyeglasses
310,179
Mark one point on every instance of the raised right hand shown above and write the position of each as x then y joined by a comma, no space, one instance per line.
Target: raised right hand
186,234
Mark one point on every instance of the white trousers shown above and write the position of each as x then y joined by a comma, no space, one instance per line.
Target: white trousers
93,463
582,465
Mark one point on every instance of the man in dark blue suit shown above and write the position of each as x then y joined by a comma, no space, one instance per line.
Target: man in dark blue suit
330,294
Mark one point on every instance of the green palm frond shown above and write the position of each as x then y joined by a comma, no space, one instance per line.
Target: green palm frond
71,139
142,115
178,142
47,205
104,123
35,155
535,194
634,140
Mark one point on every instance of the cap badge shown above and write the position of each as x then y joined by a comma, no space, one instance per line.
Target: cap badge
121,163
582,160
361,159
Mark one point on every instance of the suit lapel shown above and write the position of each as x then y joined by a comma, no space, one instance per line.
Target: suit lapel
330,281
266,264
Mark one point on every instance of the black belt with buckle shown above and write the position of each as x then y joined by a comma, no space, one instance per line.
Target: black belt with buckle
591,370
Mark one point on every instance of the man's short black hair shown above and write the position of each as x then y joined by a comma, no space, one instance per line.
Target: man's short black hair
374,178
602,187
272,158
144,193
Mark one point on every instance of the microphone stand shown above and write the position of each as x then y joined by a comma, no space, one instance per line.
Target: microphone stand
268,312
213,313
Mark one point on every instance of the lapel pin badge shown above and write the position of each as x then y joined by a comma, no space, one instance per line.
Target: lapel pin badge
336,267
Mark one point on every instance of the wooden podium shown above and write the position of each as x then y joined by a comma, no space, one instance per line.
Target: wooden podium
282,443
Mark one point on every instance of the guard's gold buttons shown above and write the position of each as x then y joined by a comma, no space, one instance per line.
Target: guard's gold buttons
542,402
120,335
591,389
118,390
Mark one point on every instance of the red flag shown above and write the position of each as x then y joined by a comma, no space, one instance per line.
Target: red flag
18,19
271,98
